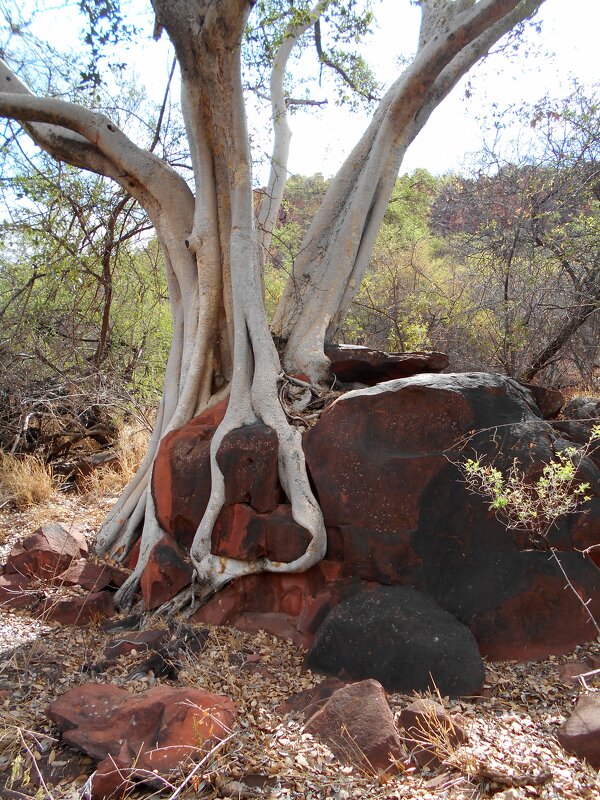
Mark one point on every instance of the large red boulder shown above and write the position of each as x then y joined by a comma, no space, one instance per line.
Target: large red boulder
382,464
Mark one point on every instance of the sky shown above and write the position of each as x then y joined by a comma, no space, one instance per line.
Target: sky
567,48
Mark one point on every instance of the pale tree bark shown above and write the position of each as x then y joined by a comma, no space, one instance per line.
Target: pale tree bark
282,133
336,249
222,345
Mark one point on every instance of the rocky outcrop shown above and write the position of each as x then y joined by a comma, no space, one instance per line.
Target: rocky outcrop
382,463
403,639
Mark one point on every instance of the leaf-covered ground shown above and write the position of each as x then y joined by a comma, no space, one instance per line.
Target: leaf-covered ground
511,728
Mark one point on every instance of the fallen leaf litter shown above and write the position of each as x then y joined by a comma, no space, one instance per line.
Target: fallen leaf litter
511,729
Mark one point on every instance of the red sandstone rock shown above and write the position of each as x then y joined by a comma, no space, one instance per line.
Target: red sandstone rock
311,700
47,552
113,779
166,573
426,728
580,734
247,458
140,641
292,606
357,725
132,734
570,672
549,401
86,574
15,592
79,610
240,532
354,364
181,475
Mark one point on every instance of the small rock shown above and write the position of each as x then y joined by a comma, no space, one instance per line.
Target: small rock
580,734
15,592
141,641
90,576
77,610
357,725
47,552
112,780
569,672
166,662
311,700
132,622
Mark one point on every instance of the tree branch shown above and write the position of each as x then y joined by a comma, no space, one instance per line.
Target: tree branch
329,62
90,140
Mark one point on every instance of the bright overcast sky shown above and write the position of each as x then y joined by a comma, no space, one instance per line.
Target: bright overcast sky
567,48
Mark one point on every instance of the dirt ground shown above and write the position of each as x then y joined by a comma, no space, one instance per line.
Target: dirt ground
512,750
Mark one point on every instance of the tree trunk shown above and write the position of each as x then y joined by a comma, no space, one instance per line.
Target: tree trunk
221,342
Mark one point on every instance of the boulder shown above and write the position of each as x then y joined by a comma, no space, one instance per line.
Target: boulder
549,401
382,462
429,733
240,532
181,475
355,364
357,725
580,734
403,639
133,735
247,458
47,552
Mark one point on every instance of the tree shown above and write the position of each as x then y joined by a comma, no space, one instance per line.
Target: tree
527,228
222,346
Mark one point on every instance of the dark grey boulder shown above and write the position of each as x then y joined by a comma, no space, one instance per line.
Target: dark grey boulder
403,639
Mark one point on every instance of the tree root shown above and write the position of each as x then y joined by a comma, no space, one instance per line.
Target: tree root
151,534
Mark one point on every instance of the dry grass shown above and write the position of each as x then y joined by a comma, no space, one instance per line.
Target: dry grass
25,481
130,449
